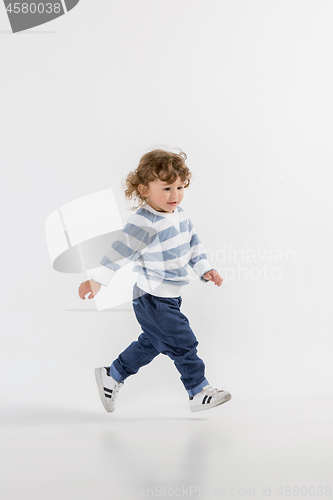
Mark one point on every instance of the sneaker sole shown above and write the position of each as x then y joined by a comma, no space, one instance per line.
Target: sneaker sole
100,385
210,405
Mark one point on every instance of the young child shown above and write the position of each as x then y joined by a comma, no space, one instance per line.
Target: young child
162,242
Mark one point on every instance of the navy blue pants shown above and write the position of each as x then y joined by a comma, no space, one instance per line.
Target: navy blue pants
165,330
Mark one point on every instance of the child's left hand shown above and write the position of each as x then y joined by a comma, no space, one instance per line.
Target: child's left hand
214,276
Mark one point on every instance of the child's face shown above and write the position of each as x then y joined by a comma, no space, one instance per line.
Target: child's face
164,197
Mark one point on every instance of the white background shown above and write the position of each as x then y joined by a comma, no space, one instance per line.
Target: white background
245,89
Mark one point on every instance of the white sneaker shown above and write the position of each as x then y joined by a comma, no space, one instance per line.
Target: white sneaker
208,398
108,388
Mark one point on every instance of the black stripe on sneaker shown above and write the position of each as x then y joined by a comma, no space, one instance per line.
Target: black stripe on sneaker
209,399
204,400
107,395
108,390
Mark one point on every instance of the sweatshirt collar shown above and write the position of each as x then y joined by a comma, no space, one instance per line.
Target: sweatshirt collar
161,214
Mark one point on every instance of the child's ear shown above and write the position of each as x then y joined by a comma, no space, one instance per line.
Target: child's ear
142,189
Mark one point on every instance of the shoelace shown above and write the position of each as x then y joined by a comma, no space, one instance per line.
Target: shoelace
115,391
210,391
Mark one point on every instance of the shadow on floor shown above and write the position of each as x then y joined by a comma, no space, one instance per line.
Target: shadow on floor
57,416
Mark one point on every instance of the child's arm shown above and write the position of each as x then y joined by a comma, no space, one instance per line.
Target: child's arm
198,259
132,242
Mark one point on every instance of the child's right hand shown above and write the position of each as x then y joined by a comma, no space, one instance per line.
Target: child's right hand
89,286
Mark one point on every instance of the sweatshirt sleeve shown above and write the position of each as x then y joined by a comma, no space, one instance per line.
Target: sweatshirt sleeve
130,244
198,258
101,275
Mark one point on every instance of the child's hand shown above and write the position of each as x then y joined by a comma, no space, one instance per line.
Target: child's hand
214,276
89,286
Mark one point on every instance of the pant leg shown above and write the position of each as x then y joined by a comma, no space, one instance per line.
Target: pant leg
168,330
137,354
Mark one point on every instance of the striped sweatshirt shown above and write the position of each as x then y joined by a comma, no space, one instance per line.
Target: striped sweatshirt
161,246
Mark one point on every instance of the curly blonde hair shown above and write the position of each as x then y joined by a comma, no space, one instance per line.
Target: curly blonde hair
156,164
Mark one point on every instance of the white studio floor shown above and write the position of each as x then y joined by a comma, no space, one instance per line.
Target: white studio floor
242,449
